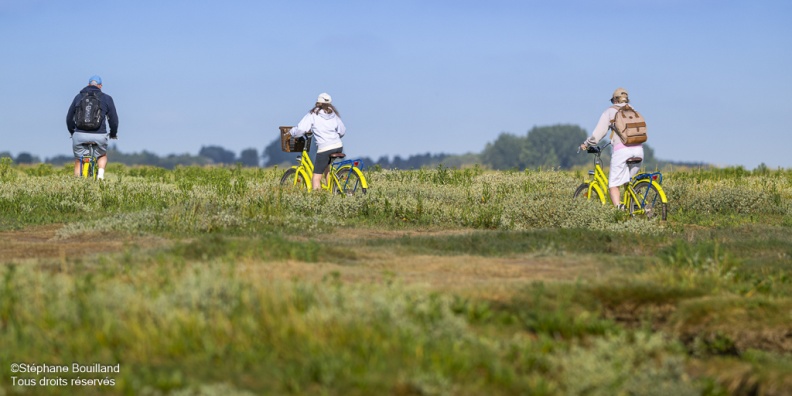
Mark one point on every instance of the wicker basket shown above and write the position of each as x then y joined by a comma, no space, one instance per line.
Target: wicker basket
290,144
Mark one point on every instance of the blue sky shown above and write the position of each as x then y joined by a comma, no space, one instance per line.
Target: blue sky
712,78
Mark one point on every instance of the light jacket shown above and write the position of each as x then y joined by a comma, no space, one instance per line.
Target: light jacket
328,129
602,129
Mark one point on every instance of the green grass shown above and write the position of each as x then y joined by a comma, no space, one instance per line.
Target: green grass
256,290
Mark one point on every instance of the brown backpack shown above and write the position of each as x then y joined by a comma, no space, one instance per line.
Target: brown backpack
629,125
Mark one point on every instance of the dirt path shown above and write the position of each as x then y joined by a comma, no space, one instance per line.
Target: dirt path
473,275
493,277
40,242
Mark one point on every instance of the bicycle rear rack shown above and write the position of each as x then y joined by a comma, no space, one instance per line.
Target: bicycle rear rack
656,176
356,163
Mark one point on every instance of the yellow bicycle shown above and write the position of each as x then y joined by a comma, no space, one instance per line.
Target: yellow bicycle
344,177
88,167
643,195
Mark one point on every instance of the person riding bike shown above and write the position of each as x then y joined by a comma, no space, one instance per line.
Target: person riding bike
90,129
326,125
621,171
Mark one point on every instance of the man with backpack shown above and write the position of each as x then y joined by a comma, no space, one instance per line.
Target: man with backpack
628,131
85,121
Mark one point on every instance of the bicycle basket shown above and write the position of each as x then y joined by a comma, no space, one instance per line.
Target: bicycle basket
290,144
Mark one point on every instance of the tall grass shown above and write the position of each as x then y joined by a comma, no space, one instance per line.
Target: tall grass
709,288
175,325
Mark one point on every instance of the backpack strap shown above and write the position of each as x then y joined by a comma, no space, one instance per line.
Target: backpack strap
612,126
98,95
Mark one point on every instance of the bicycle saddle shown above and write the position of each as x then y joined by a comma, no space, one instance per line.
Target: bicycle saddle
634,160
337,155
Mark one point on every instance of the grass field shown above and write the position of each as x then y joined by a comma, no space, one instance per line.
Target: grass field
204,281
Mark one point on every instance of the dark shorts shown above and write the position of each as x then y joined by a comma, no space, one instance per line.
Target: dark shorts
323,159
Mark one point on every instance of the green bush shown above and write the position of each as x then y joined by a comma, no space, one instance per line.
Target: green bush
624,364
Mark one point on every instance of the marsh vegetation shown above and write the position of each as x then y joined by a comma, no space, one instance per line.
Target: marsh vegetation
213,280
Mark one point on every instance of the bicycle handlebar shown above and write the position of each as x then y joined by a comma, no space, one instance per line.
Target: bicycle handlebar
594,149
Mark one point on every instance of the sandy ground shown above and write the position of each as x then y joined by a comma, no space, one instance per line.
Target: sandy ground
41,243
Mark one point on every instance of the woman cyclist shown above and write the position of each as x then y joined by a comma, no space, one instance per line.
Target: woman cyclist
620,171
328,129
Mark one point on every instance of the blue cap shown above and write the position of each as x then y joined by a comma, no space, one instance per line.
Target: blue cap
95,80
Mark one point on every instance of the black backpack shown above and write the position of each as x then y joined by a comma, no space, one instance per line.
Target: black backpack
88,116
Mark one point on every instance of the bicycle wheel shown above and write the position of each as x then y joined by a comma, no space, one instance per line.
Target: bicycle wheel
292,180
85,167
583,192
93,169
649,204
349,181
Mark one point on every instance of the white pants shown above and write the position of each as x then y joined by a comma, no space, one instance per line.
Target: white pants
620,173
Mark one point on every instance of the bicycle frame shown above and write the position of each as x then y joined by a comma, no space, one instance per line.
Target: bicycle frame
655,179
349,166
88,165
600,185
306,170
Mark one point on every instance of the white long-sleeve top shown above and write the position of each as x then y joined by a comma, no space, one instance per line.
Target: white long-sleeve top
328,129
602,129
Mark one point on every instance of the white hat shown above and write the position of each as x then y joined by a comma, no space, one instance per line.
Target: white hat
324,98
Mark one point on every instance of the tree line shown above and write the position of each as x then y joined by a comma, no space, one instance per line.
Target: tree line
552,146
207,155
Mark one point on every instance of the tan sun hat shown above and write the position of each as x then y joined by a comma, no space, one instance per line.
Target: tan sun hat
324,98
618,94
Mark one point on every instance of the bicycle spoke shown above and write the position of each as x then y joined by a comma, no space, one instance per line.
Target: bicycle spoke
648,202
348,182
293,180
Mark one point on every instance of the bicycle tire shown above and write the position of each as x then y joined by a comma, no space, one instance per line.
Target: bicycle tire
93,171
582,192
86,168
288,180
652,206
349,182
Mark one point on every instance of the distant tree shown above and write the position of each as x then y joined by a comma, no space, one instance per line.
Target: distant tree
549,146
60,159
26,158
272,154
415,161
6,154
462,160
172,160
504,152
649,158
383,162
398,163
554,146
249,157
218,154
367,162
149,158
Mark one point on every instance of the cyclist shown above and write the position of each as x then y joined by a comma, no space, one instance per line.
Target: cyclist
326,125
620,171
82,135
